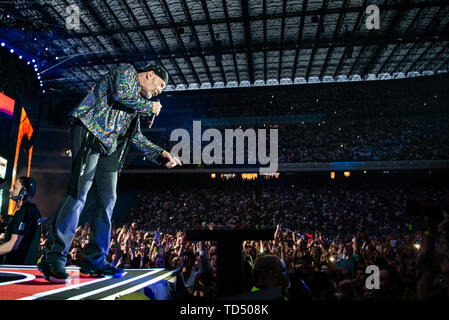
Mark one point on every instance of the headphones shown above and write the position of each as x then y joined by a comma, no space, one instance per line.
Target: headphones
28,189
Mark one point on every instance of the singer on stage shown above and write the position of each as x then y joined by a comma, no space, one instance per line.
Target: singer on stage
101,129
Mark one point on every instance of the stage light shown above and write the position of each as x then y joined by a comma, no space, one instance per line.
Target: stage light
38,77
347,174
35,69
42,85
417,246
12,50
28,62
3,44
33,61
333,175
43,91
57,58
20,57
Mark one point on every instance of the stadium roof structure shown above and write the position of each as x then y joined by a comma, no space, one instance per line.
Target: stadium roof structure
228,43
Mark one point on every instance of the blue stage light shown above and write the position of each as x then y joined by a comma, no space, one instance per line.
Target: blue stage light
12,50
3,44
20,57
33,61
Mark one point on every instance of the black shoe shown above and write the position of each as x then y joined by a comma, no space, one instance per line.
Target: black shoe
109,270
89,272
54,273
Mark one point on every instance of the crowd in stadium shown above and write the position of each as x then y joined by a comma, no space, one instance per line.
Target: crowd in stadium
348,140
364,140
326,238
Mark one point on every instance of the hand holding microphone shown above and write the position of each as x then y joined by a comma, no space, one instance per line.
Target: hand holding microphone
156,104
156,107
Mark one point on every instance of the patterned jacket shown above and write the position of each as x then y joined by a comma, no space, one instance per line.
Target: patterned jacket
112,104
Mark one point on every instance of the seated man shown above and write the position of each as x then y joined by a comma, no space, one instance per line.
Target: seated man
22,238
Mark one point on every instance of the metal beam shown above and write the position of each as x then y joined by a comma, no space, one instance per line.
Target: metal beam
427,32
162,39
445,63
231,42
347,39
197,39
215,41
446,47
258,47
47,16
248,51
364,47
117,20
265,41
445,30
178,37
393,25
299,41
415,18
274,16
284,4
317,37
334,37
147,41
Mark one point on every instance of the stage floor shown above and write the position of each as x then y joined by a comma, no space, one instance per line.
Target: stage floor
26,283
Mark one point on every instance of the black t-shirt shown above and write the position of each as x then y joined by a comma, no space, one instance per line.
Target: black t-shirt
25,222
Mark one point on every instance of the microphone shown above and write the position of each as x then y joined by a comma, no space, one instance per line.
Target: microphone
151,119
16,198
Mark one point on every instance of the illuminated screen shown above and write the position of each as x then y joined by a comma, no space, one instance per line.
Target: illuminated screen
6,125
6,143
22,158
3,166
14,147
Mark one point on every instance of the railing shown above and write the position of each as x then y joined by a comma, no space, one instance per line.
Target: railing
57,167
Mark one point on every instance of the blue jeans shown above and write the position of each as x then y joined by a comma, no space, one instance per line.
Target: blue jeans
103,170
